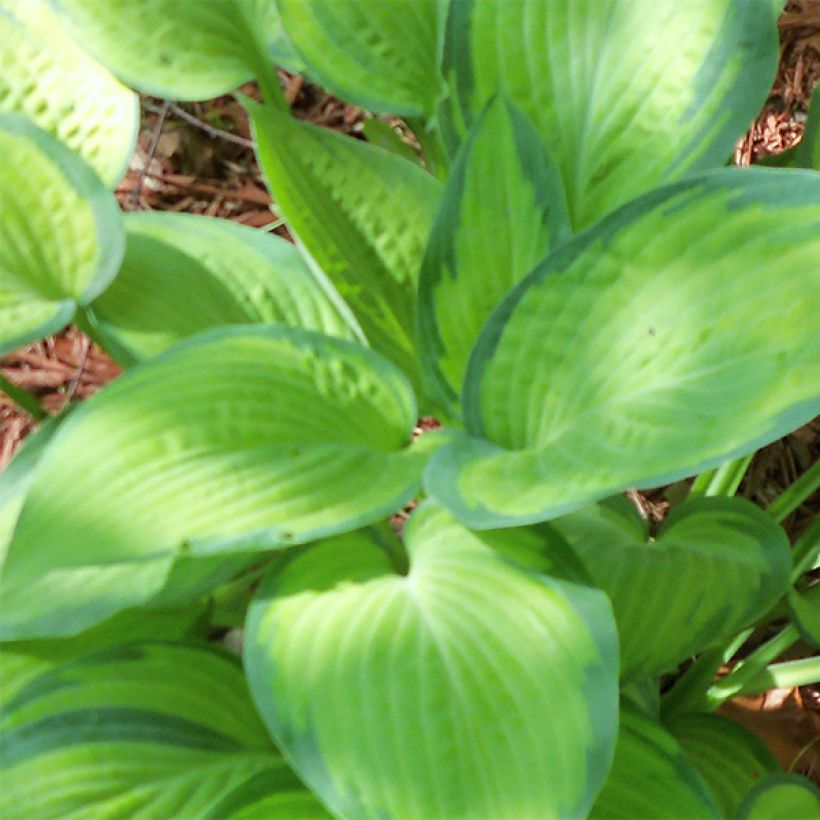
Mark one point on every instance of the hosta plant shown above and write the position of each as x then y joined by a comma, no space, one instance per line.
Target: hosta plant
564,275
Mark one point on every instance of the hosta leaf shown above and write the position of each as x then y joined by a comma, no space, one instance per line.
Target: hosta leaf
621,105
782,797
361,214
678,333
153,730
238,440
804,608
61,238
502,208
729,758
184,273
176,48
716,565
47,77
381,56
650,776
466,687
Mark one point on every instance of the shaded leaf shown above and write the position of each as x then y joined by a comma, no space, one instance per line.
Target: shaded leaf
782,797
468,686
673,336
238,440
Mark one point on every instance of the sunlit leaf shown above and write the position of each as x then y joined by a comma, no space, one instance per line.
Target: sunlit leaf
381,56
627,94
361,214
462,686
715,566
61,237
502,209
678,333
154,730
782,797
236,441
47,77
183,273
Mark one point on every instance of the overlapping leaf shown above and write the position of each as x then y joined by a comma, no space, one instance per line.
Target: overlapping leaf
502,209
47,77
176,48
715,566
782,797
729,758
674,335
239,440
182,274
361,214
468,686
381,56
651,776
61,237
159,730
621,104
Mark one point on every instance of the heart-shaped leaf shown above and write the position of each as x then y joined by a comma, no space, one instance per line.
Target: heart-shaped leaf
503,207
782,797
183,273
381,56
468,686
672,336
154,730
716,565
235,441
176,48
48,78
53,256
730,759
651,776
621,105
361,214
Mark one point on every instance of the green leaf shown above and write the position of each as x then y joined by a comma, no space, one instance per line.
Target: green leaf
782,797
45,76
502,209
183,273
148,730
360,214
176,48
675,335
380,56
650,776
467,686
730,759
239,440
804,609
807,153
715,566
621,105
61,238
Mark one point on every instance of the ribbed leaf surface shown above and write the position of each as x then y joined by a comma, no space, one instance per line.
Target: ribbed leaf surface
239,440
183,273
676,334
502,209
176,48
361,214
144,730
729,758
651,776
45,76
381,56
621,105
61,237
467,687
782,797
716,565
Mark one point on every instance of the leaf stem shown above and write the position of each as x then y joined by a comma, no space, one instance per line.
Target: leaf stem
791,498
723,480
23,399
784,675
805,550
750,667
